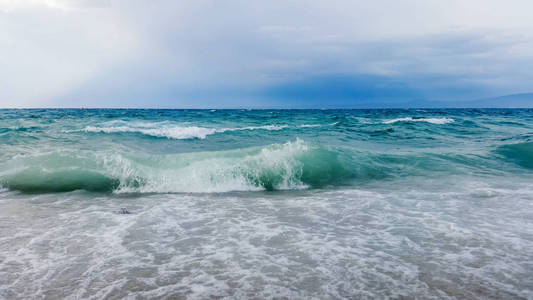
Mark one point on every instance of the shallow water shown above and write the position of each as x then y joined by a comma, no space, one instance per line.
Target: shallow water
430,204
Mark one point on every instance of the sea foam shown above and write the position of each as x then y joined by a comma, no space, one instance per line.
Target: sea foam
176,132
171,132
439,121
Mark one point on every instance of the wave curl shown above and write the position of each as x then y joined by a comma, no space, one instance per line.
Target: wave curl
293,165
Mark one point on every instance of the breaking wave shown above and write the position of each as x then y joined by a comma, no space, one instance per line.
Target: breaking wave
293,165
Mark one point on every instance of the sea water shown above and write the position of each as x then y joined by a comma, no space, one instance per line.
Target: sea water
299,204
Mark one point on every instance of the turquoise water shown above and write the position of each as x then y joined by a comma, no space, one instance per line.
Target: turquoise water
265,203
175,151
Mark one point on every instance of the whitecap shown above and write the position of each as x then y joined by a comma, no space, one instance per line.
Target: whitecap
174,131
438,121
264,127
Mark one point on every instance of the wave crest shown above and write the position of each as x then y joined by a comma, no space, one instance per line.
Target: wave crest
293,165
439,121
175,132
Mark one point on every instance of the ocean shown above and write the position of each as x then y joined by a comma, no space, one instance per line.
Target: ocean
296,204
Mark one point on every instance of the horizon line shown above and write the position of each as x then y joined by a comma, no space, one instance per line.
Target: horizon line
261,108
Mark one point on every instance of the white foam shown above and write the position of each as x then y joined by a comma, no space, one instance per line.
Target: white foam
210,172
365,243
264,127
484,193
439,121
175,132
172,132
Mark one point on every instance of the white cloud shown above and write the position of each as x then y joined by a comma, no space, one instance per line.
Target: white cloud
46,51
50,49
17,5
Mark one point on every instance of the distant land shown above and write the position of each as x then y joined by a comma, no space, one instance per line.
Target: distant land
524,100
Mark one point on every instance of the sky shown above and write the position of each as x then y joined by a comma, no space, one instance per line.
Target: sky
281,54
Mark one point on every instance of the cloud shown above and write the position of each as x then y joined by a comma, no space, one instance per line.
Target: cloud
231,53
46,51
